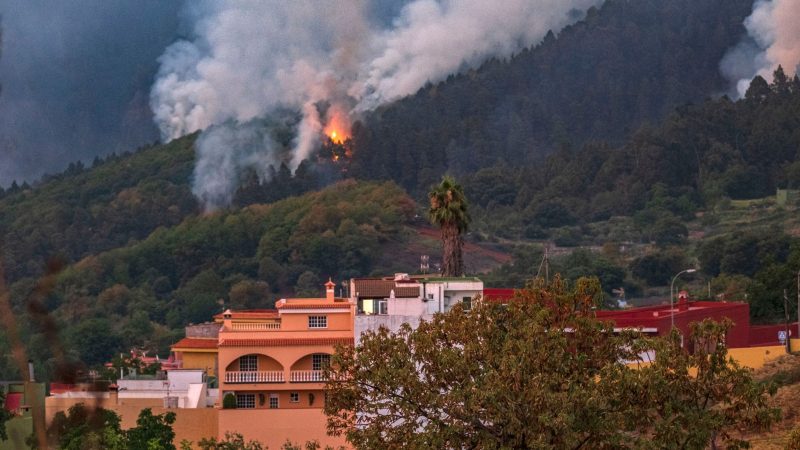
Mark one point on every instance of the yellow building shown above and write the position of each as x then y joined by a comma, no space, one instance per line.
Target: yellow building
197,353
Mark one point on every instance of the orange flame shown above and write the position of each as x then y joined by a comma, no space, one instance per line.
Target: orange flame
338,126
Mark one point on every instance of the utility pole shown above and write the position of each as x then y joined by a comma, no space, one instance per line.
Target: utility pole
786,320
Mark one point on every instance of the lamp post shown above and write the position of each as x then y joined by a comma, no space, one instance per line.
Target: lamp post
798,304
672,295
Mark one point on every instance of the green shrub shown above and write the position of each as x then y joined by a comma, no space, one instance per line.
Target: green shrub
229,401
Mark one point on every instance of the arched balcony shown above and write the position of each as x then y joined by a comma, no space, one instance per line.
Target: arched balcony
309,368
254,368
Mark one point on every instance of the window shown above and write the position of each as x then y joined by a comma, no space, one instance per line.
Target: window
273,401
320,360
317,321
248,363
294,397
246,401
383,307
466,303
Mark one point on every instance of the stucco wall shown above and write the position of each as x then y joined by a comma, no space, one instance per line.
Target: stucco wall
190,424
272,427
372,322
339,321
755,357
200,360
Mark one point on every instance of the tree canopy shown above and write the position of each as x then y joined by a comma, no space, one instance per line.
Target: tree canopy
540,372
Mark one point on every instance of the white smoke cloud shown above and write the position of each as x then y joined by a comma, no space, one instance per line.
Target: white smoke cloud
433,39
773,31
224,152
246,59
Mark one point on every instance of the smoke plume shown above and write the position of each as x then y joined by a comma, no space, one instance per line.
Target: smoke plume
773,39
326,60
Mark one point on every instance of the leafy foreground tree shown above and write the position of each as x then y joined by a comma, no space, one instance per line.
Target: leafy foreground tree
541,372
85,428
5,416
235,441
449,211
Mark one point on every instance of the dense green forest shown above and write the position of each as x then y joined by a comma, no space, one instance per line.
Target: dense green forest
143,294
627,63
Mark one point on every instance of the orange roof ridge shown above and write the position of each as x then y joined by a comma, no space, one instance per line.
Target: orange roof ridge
209,343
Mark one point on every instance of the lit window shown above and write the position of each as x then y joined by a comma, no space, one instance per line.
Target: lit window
320,360
273,401
248,363
466,303
317,321
294,397
246,401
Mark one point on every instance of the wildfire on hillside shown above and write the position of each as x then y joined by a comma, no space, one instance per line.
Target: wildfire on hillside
338,147
337,127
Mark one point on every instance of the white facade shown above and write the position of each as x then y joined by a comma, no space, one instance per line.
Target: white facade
183,388
432,295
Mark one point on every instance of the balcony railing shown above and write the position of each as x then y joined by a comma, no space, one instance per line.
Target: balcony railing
256,326
307,376
269,376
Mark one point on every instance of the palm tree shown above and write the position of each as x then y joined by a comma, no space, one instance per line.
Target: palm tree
449,211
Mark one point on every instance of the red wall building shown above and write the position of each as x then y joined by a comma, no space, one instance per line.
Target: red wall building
657,320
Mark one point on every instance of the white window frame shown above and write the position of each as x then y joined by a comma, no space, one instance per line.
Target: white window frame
383,307
319,360
294,397
248,363
274,401
317,321
245,401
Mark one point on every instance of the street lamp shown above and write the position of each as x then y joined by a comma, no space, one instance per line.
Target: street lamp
798,304
672,296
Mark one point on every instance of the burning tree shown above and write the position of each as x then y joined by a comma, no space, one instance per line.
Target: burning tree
449,210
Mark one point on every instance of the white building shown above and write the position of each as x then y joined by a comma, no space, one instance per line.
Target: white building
401,299
182,388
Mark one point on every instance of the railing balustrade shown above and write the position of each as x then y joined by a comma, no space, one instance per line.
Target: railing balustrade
269,376
257,326
307,376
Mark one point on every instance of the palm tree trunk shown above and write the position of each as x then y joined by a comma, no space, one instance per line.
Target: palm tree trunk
453,260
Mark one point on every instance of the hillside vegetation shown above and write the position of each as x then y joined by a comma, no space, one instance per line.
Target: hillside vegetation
629,62
144,293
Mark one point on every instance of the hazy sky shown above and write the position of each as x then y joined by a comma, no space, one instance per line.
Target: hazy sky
75,79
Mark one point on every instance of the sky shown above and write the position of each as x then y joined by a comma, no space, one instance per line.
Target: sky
76,78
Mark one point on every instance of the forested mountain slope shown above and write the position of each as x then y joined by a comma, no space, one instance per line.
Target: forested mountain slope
629,62
144,293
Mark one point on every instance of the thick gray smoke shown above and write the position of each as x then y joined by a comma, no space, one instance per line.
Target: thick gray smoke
773,39
244,60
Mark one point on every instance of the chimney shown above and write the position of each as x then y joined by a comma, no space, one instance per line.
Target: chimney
31,378
329,290
226,319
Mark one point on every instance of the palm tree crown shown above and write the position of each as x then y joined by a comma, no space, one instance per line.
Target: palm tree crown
448,209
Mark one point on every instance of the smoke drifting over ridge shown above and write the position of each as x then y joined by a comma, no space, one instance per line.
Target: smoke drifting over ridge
246,60
773,39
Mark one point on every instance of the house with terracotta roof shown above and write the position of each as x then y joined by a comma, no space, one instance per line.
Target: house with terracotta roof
198,350
271,368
